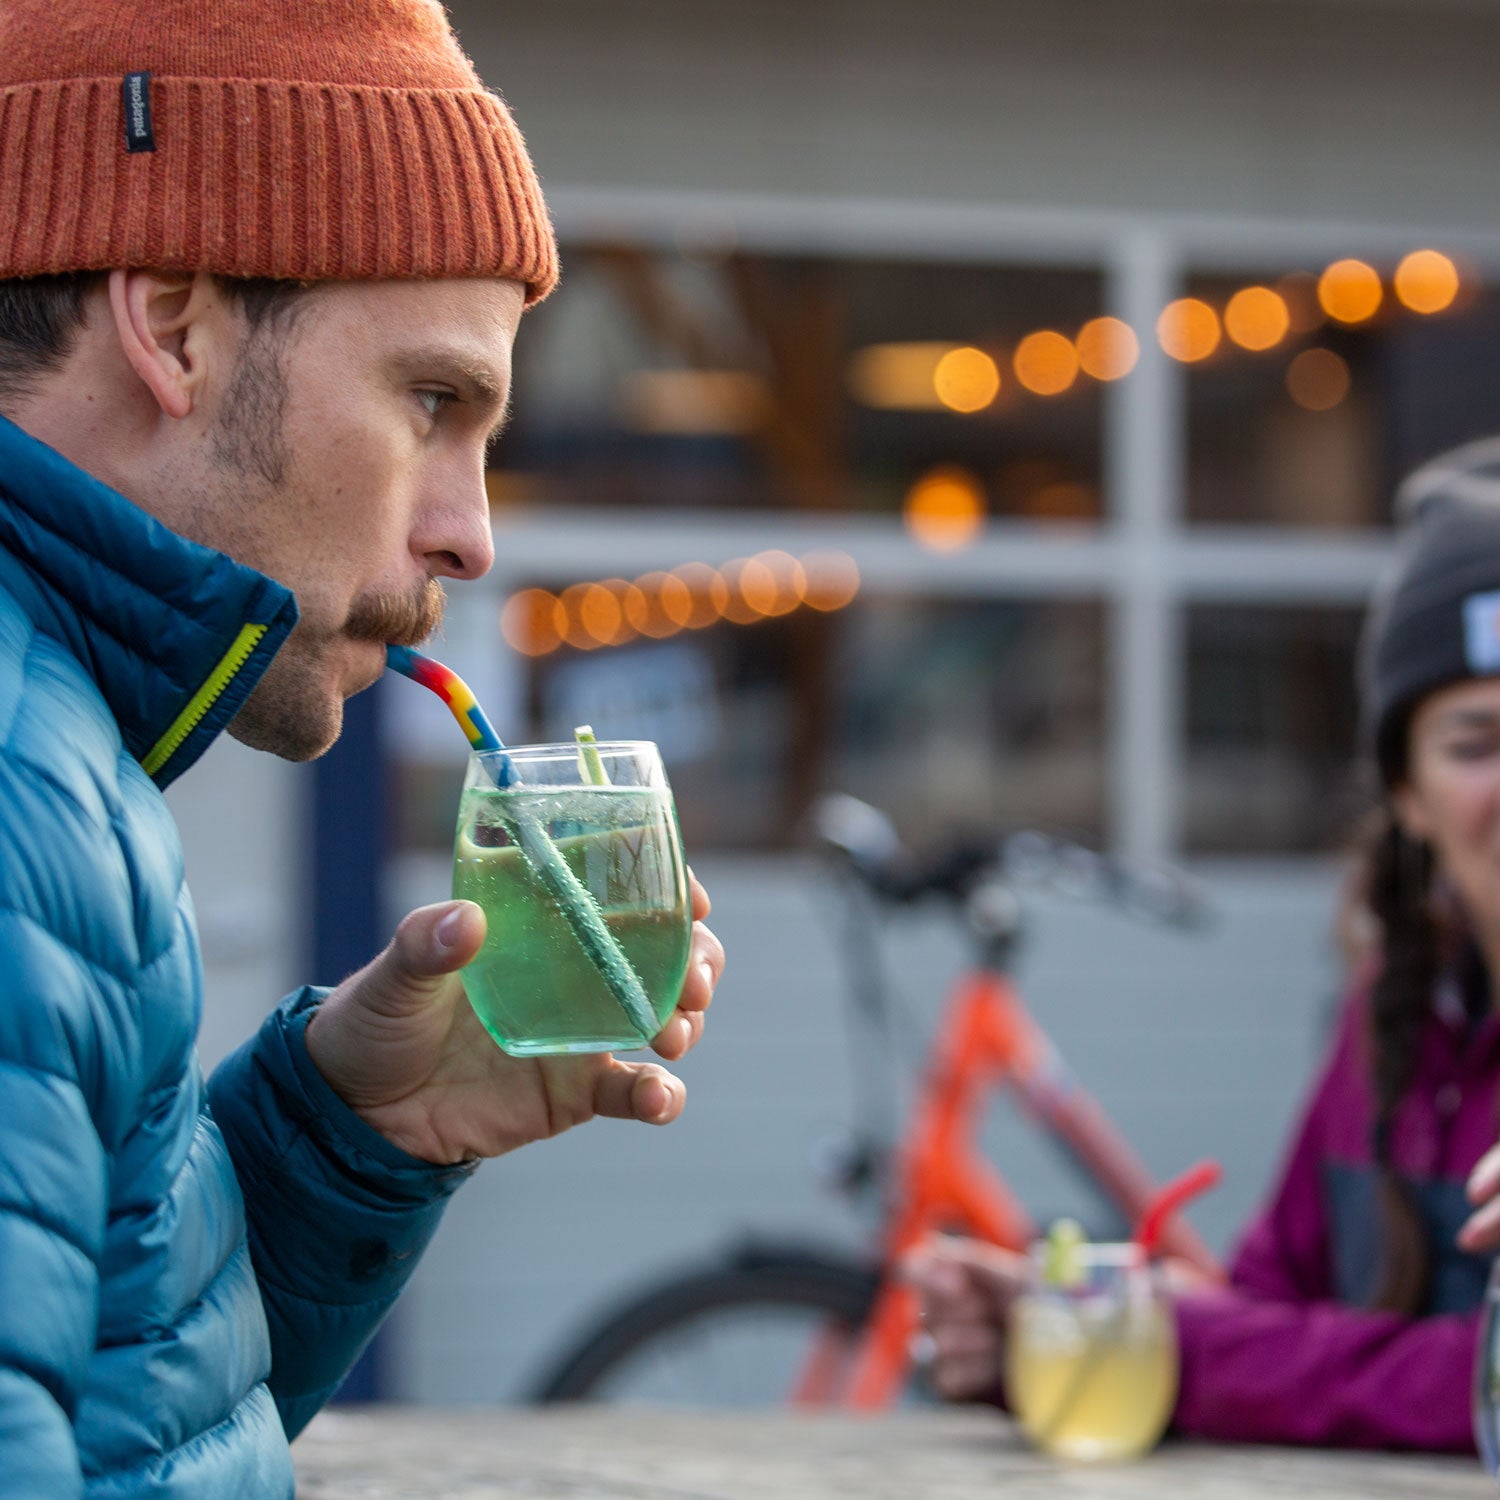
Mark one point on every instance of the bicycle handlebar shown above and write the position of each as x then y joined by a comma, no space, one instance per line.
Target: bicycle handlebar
866,842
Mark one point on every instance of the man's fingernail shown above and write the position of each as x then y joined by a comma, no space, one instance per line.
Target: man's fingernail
707,971
446,931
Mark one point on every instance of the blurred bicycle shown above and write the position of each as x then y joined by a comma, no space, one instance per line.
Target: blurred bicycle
775,1322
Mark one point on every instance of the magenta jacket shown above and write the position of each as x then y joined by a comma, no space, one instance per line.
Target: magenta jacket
1287,1353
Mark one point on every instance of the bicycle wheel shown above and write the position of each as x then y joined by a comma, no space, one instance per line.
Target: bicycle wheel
748,1332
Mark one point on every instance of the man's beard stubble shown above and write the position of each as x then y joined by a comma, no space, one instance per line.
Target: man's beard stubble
287,713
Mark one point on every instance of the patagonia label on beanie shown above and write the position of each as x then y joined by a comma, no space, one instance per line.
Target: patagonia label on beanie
1482,633
139,136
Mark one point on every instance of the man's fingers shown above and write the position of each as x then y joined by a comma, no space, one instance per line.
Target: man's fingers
437,940
431,943
679,1036
639,1091
701,904
705,969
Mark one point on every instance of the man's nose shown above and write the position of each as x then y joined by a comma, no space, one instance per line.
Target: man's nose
454,539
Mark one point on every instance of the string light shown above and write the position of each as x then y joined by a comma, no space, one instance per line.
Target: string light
1426,282
1107,348
966,380
1257,318
707,591
1188,329
529,622
1318,379
1349,291
944,509
832,580
1045,363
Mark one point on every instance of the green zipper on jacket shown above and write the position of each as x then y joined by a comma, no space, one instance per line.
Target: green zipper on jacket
204,699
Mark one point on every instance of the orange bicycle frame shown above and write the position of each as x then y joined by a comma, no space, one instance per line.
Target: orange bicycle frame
988,1040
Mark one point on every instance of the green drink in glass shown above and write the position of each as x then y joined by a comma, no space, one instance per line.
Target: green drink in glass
545,827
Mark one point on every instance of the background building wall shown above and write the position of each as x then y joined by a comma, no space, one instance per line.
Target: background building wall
1314,109
1238,124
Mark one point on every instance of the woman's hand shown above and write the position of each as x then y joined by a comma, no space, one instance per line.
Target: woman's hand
966,1288
1481,1230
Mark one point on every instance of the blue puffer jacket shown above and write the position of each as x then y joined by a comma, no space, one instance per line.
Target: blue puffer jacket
180,1287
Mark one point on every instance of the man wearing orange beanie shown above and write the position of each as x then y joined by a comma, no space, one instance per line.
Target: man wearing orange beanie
261,266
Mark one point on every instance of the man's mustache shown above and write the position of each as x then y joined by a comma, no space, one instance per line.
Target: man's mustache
398,619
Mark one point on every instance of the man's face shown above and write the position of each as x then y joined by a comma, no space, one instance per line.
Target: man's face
343,454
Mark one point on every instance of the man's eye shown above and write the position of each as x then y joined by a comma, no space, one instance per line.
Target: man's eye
1471,749
435,401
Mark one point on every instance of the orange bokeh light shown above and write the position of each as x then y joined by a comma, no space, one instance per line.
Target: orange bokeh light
1350,291
739,610
1257,318
622,593
599,614
966,379
1426,282
790,580
757,586
1107,348
1188,329
529,622
676,600
570,622
1317,380
945,508
832,580
647,609
1045,363
707,593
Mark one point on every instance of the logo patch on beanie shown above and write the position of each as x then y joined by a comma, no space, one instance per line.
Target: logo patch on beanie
139,135
1482,633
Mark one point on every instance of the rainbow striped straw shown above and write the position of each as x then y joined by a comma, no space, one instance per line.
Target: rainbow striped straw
566,890
459,697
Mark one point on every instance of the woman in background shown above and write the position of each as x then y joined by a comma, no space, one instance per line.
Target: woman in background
1351,1311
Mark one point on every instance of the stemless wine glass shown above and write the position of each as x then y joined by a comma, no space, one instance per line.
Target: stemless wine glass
1092,1355
577,862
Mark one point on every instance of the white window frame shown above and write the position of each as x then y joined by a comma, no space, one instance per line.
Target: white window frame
1145,563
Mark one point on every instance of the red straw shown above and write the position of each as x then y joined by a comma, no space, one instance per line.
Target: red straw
1168,1199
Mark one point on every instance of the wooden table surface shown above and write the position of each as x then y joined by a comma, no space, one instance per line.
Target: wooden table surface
585,1453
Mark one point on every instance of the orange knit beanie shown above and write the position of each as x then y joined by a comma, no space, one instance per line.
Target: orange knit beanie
300,139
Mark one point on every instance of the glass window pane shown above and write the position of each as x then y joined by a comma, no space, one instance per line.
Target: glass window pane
1317,427
959,717
746,381
1272,729
963,718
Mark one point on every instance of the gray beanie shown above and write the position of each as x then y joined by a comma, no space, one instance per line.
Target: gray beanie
1436,620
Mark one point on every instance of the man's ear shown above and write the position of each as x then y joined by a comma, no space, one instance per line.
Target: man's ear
158,318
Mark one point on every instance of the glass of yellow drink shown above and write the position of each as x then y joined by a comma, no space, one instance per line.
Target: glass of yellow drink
576,858
1092,1354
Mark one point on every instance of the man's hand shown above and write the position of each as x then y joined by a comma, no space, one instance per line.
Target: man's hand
400,1044
1481,1230
966,1288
